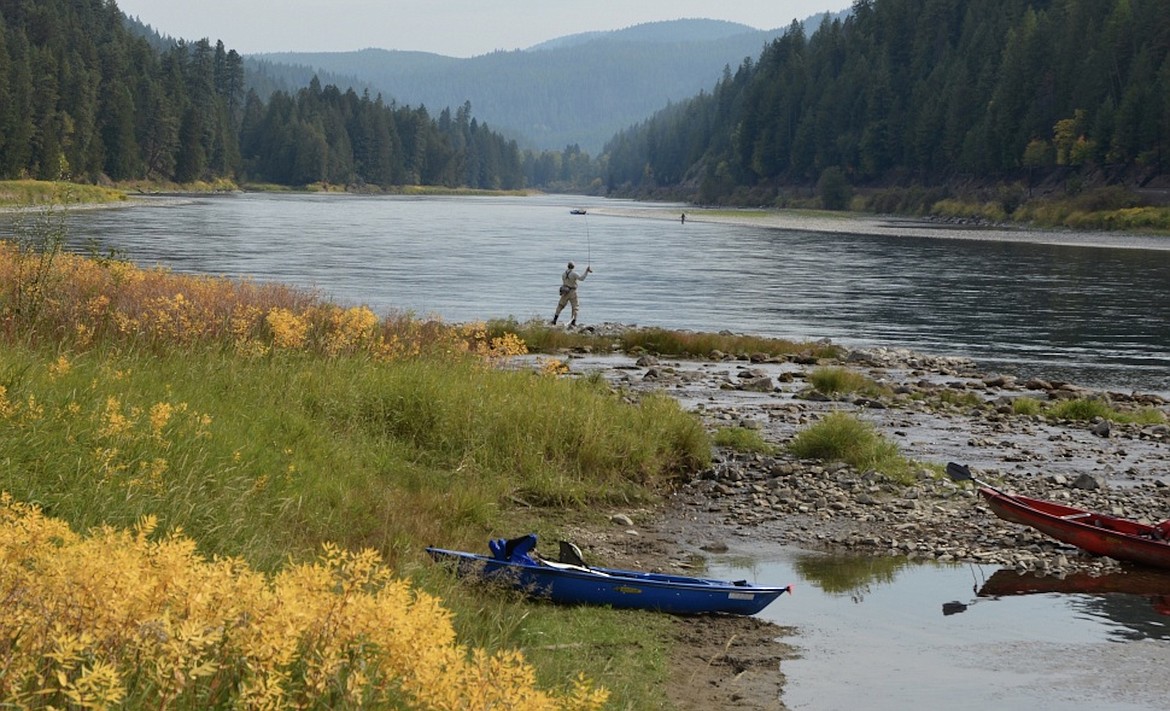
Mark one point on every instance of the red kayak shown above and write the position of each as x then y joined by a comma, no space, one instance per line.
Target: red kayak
1096,533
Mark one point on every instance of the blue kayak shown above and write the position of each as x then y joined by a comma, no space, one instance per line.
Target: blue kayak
514,563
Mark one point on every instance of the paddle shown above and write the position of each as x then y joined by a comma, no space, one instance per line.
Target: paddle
961,472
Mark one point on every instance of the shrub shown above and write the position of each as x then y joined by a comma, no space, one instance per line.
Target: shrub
834,189
119,618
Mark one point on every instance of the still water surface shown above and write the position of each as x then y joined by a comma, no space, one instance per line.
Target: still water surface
1095,315
883,634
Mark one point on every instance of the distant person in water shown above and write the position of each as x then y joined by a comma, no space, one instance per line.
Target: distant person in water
684,218
569,292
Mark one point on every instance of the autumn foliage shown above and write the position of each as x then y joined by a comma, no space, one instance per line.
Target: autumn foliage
137,618
127,617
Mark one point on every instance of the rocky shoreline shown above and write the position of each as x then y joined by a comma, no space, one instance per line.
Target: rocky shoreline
938,410
941,410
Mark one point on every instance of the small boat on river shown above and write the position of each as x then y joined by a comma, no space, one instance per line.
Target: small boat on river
577,211
568,580
1093,532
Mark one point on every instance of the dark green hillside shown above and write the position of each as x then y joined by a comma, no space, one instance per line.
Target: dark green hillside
87,95
924,91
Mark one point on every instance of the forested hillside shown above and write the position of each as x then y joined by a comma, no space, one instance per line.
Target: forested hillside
922,90
580,89
82,97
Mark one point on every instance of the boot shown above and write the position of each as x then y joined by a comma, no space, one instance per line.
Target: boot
554,321
573,323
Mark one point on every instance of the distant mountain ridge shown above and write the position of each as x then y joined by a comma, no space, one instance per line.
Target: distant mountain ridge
698,30
580,89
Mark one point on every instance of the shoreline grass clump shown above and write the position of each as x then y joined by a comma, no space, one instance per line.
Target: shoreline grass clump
832,380
742,439
841,437
540,338
1086,410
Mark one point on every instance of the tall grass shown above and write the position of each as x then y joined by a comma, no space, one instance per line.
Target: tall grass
266,458
742,439
841,437
1093,408
540,338
832,380
265,422
26,193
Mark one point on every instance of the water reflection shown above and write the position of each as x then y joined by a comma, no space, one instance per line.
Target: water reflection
1126,599
852,576
872,629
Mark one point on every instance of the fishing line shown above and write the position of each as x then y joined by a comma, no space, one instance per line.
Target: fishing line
588,248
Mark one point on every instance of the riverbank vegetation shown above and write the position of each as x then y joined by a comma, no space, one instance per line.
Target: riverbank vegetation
1086,409
841,437
267,426
540,338
41,193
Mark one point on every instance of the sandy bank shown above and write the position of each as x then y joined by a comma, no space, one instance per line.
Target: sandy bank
885,226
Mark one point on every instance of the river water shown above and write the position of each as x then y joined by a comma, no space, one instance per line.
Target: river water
1093,310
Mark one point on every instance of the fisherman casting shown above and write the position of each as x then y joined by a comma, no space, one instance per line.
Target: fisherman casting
569,282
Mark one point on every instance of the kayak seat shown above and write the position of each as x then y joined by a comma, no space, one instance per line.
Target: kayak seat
571,554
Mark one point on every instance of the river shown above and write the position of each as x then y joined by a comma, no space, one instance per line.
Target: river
1090,309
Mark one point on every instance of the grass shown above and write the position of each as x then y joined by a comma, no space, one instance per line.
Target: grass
1027,406
1086,410
1089,409
265,423
540,338
833,380
31,193
268,458
742,439
841,437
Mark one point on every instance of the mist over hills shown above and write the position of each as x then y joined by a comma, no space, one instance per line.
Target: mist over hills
578,89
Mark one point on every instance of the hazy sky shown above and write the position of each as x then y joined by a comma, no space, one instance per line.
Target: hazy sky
457,28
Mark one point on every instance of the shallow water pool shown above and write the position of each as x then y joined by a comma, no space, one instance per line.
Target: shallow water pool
890,634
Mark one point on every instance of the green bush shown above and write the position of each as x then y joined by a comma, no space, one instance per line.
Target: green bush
834,189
